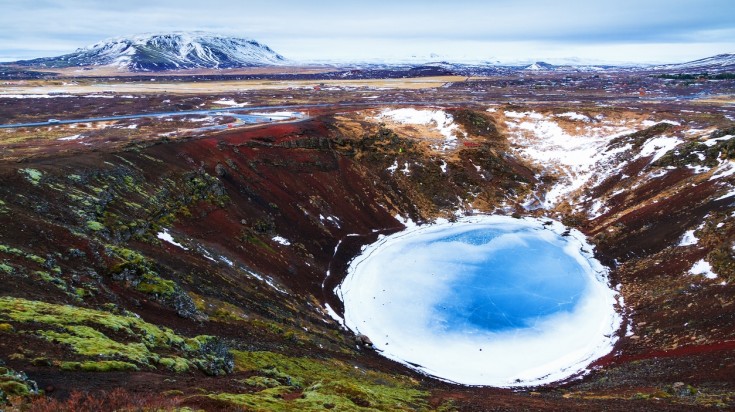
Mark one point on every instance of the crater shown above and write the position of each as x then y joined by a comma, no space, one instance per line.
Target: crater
486,300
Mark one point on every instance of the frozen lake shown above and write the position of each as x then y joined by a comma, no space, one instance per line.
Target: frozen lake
487,300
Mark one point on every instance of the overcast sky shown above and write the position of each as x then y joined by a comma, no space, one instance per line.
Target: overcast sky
644,31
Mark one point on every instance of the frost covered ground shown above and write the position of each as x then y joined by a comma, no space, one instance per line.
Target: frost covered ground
436,120
489,300
571,153
574,147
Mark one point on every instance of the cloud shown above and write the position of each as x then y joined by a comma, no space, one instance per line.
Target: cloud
69,24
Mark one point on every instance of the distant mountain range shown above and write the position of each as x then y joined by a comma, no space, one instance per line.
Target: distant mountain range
167,51
200,50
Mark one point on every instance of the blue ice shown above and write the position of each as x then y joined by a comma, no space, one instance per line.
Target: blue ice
486,300
514,285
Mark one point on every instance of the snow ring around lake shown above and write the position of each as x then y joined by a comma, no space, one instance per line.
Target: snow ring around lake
487,300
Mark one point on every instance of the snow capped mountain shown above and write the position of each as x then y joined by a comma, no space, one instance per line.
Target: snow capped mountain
539,66
718,63
168,51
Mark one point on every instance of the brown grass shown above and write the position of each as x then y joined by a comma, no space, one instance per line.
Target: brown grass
53,86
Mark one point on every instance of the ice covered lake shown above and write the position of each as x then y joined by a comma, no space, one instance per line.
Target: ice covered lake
486,300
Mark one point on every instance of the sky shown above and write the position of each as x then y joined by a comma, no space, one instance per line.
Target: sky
556,31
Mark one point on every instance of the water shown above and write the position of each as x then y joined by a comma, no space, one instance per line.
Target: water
512,286
488,300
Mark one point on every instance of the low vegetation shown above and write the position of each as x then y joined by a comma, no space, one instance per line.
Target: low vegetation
283,383
107,341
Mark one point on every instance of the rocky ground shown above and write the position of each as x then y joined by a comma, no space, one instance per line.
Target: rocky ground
146,263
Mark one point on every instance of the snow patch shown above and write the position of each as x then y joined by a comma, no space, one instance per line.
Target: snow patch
166,237
441,120
712,142
281,240
333,314
658,147
730,193
574,116
650,123
725,169
405,221
406,170
688,239
702,267
230,103
75,137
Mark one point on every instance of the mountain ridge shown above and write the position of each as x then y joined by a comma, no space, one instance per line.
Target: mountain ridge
181,50
167,51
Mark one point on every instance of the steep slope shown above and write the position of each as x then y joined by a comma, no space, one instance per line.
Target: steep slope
168,51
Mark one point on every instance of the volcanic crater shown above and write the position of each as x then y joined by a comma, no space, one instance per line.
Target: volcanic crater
199,268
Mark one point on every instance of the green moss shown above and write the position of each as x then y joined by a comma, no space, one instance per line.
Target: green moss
83,330
15,384
152,284
45,276
141,274
128,255
176,364
88,341
35,259
74,178
196,343
95,225
33,175
217,309
98,366
261,382
6,268
9,250
324,384
14,388
6,327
